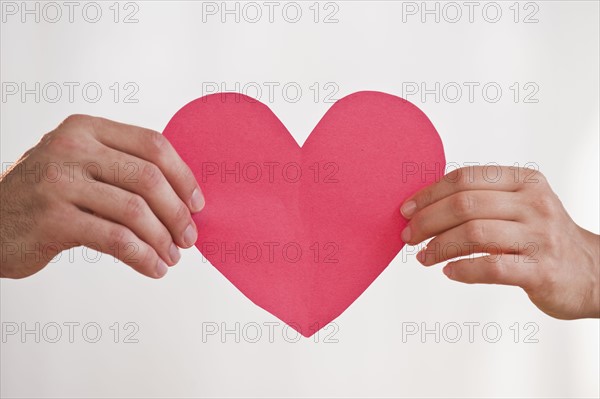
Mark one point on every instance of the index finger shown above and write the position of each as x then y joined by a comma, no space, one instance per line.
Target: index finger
153,147
498,178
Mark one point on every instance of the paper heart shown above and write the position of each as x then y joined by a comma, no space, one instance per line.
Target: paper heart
303,231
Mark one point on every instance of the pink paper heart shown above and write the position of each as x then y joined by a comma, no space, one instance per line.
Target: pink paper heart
303,231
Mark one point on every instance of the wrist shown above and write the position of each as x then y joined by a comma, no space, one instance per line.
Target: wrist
592,256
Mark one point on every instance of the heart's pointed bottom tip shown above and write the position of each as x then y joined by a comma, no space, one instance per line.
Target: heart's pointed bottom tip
306,331
305,335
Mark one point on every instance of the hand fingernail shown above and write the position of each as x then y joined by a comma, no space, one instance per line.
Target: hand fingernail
197,200
408,208
405,235
161,268
448,271
174,253
190,235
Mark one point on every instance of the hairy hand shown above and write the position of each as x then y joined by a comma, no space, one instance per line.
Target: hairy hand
116,188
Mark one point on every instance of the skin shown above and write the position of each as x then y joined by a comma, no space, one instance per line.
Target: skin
116,188
519,222
124,191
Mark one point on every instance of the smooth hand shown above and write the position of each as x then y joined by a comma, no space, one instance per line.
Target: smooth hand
512,215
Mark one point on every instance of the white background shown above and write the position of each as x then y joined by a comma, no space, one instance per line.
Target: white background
169,54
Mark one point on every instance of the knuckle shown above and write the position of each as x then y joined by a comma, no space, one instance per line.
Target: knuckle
157,142
147,257
164,238
452,176
464,178
78,124
424,198
462,204
185,173
474,231
544,205
530,178
539,177
69,134
118,235
135,207
77,119
418,228
62,143
151,176
182,213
